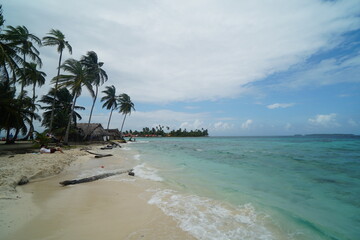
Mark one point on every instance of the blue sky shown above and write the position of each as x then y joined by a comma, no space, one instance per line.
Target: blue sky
234,67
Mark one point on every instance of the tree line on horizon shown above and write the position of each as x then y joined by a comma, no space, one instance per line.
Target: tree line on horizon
20,65
162,131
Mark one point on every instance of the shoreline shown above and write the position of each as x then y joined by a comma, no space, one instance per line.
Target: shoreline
113,208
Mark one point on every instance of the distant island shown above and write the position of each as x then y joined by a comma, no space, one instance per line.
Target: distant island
328,135
162,131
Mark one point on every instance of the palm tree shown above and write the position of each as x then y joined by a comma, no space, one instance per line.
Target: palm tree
56,38
22,39
15,113
97,74
2,20
126,105
34,77
9,57
110,100
63,101
77,78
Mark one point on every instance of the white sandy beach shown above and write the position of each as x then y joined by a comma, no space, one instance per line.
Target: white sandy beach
113,208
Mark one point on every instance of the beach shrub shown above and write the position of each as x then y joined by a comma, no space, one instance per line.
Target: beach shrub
42,138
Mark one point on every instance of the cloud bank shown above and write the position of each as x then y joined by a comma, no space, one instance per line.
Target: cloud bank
161,51
280,105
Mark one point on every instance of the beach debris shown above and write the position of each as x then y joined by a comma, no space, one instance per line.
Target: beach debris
131,173
103,155
98,155
85,148
106,148
24,180
93,178
113,143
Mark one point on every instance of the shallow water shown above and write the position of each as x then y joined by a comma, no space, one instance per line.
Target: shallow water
256,187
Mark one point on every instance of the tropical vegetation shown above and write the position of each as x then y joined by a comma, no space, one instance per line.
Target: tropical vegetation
20,67
162,131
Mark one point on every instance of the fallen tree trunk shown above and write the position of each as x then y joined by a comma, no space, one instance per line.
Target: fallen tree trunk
103,155
98,155
115,143
94,178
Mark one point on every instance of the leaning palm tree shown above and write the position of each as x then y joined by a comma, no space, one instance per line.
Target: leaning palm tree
56,38
111,100
97,74
77,78
21,38
10,61
126,105
9,58
63,103
15,113
34,77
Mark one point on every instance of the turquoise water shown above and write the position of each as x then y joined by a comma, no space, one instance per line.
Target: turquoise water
256,187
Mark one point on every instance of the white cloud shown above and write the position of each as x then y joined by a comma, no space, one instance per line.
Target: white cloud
324,120
161,51
288,126
280,105
247,124
353,123
139,119
326,72
196,124
222,126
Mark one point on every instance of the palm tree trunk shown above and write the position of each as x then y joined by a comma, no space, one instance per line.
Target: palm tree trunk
110,118
31,130
92,108
23,82
122,125
56,85
7,141
66,138
21,97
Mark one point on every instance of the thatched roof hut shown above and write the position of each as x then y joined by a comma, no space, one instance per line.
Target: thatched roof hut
93,131
114,134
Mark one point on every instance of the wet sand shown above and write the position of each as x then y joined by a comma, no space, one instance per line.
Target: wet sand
113,208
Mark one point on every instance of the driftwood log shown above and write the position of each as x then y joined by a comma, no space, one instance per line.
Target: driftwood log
106,148
96,177
115,144
103,155
98,155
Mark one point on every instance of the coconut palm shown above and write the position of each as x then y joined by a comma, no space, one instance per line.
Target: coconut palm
97,74
63,101
9,59
126,105
110,100
56,38
77,78
22,40
34,77
2,20
15,113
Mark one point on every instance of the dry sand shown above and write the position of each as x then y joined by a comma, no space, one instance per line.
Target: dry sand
114,208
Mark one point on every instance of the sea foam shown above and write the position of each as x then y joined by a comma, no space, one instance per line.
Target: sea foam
146,172
207,219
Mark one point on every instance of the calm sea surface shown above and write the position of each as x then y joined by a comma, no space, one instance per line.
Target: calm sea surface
256,187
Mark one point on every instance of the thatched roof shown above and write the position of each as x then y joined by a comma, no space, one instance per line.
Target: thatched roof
94,129
114,132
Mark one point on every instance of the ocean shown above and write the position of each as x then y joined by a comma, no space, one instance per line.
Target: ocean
255,187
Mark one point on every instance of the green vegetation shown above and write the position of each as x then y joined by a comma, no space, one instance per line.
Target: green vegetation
161,131
18,111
